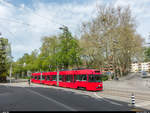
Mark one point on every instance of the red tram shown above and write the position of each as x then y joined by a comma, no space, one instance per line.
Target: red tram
90,79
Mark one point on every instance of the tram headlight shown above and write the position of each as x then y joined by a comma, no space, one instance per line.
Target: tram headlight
99,86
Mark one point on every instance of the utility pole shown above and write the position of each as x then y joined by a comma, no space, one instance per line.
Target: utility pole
40,76
10,73
57,78
57,73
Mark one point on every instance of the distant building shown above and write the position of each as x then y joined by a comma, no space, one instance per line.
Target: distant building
143,66
134,67
108,68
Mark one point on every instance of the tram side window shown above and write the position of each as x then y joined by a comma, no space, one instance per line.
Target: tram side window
71,78
81,77
53,77
63,78
84,77
60,77
47,78
92,78
77,77
35,78
39,77
43,77
68,78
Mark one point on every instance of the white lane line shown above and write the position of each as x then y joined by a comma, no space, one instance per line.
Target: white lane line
142,104
107,100
50,99
97,95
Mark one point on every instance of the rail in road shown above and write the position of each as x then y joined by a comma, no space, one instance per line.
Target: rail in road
108,91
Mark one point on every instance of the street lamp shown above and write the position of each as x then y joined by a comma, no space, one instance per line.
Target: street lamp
65,29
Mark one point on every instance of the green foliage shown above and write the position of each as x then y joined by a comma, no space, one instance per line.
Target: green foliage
147,54
109,39
69,52
25,64
24,77
4,54
104,78
56,52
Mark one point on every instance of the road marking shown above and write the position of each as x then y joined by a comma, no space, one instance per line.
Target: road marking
146,103
107,100
97,95
50,99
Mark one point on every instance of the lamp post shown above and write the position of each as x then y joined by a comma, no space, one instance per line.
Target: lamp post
65,29
57,73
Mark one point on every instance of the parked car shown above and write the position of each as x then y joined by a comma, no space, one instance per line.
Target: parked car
144,74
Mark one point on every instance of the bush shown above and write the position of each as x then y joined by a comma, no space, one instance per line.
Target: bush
113,76
105,77
25,77
3,79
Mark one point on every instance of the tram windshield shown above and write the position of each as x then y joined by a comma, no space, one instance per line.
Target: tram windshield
95,78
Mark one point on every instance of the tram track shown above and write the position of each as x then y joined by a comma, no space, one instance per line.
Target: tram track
126,93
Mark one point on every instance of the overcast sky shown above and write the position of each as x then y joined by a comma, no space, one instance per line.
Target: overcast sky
24,22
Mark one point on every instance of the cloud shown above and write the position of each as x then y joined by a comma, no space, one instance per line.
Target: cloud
24,26
140,10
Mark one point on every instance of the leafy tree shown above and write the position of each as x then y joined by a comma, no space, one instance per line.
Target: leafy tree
49,50
4,55
25,63
69,52
147,54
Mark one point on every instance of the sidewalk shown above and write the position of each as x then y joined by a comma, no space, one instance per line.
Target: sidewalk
120,91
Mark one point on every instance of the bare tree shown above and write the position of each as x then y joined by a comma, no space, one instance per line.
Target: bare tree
111,38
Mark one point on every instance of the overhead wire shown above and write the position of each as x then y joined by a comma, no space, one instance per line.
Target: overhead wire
14,21
46,18
7,30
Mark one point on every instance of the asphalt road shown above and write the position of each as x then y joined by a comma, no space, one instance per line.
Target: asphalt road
50,99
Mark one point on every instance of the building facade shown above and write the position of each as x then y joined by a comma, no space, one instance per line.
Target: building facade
138,67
